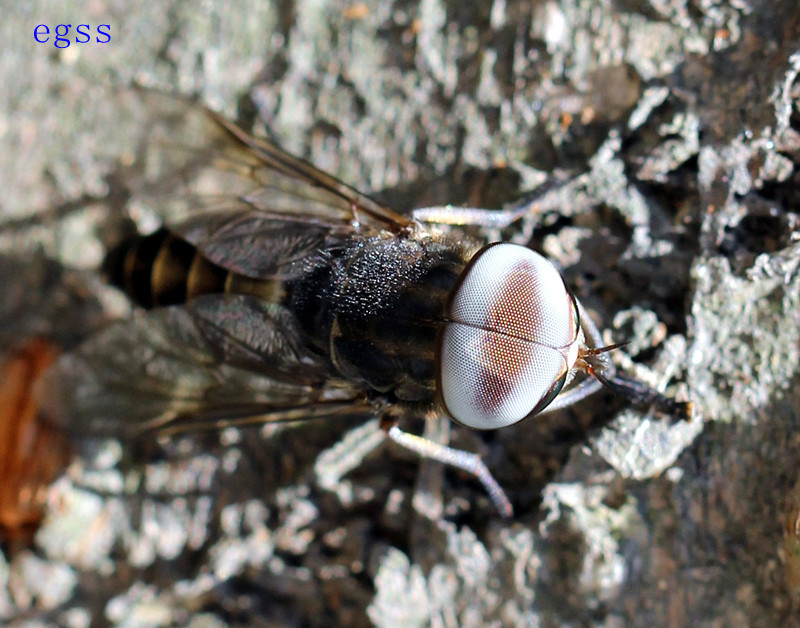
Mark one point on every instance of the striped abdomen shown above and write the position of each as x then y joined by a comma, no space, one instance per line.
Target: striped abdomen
162,269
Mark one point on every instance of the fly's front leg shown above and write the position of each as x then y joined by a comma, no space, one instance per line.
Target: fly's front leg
488,218
464,460
461,216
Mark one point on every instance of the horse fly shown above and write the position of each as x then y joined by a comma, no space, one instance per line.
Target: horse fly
276,292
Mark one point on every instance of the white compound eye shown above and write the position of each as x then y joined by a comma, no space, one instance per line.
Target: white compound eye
510,338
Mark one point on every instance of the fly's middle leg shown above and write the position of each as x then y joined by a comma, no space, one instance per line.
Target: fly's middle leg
464,460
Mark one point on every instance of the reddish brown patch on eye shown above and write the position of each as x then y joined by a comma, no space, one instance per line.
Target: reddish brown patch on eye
517,322
513,311
506,360
32,454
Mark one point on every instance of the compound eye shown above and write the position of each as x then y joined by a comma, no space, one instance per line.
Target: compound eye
510,339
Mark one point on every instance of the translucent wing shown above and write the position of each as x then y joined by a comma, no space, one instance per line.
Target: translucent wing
219,359
229,193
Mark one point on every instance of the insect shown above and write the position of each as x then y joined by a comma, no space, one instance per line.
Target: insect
31,452
279,293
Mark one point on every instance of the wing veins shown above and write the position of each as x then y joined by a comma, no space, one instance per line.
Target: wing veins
298,168
254,415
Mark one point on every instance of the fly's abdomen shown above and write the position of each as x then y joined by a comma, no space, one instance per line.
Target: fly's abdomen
162,269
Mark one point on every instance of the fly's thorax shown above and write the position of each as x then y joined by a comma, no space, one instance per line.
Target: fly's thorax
387,305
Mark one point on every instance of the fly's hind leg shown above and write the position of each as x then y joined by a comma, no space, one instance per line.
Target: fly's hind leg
464,460
334,463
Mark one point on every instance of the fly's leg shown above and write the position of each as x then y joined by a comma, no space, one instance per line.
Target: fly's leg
487,218
590,385
428,497
604,373
337,461
464,460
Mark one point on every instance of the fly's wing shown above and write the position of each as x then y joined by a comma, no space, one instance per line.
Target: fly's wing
245,203
217,361
254,210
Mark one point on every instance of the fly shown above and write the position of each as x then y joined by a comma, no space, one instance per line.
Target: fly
278,293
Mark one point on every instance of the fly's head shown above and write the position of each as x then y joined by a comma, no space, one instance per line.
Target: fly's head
511,338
